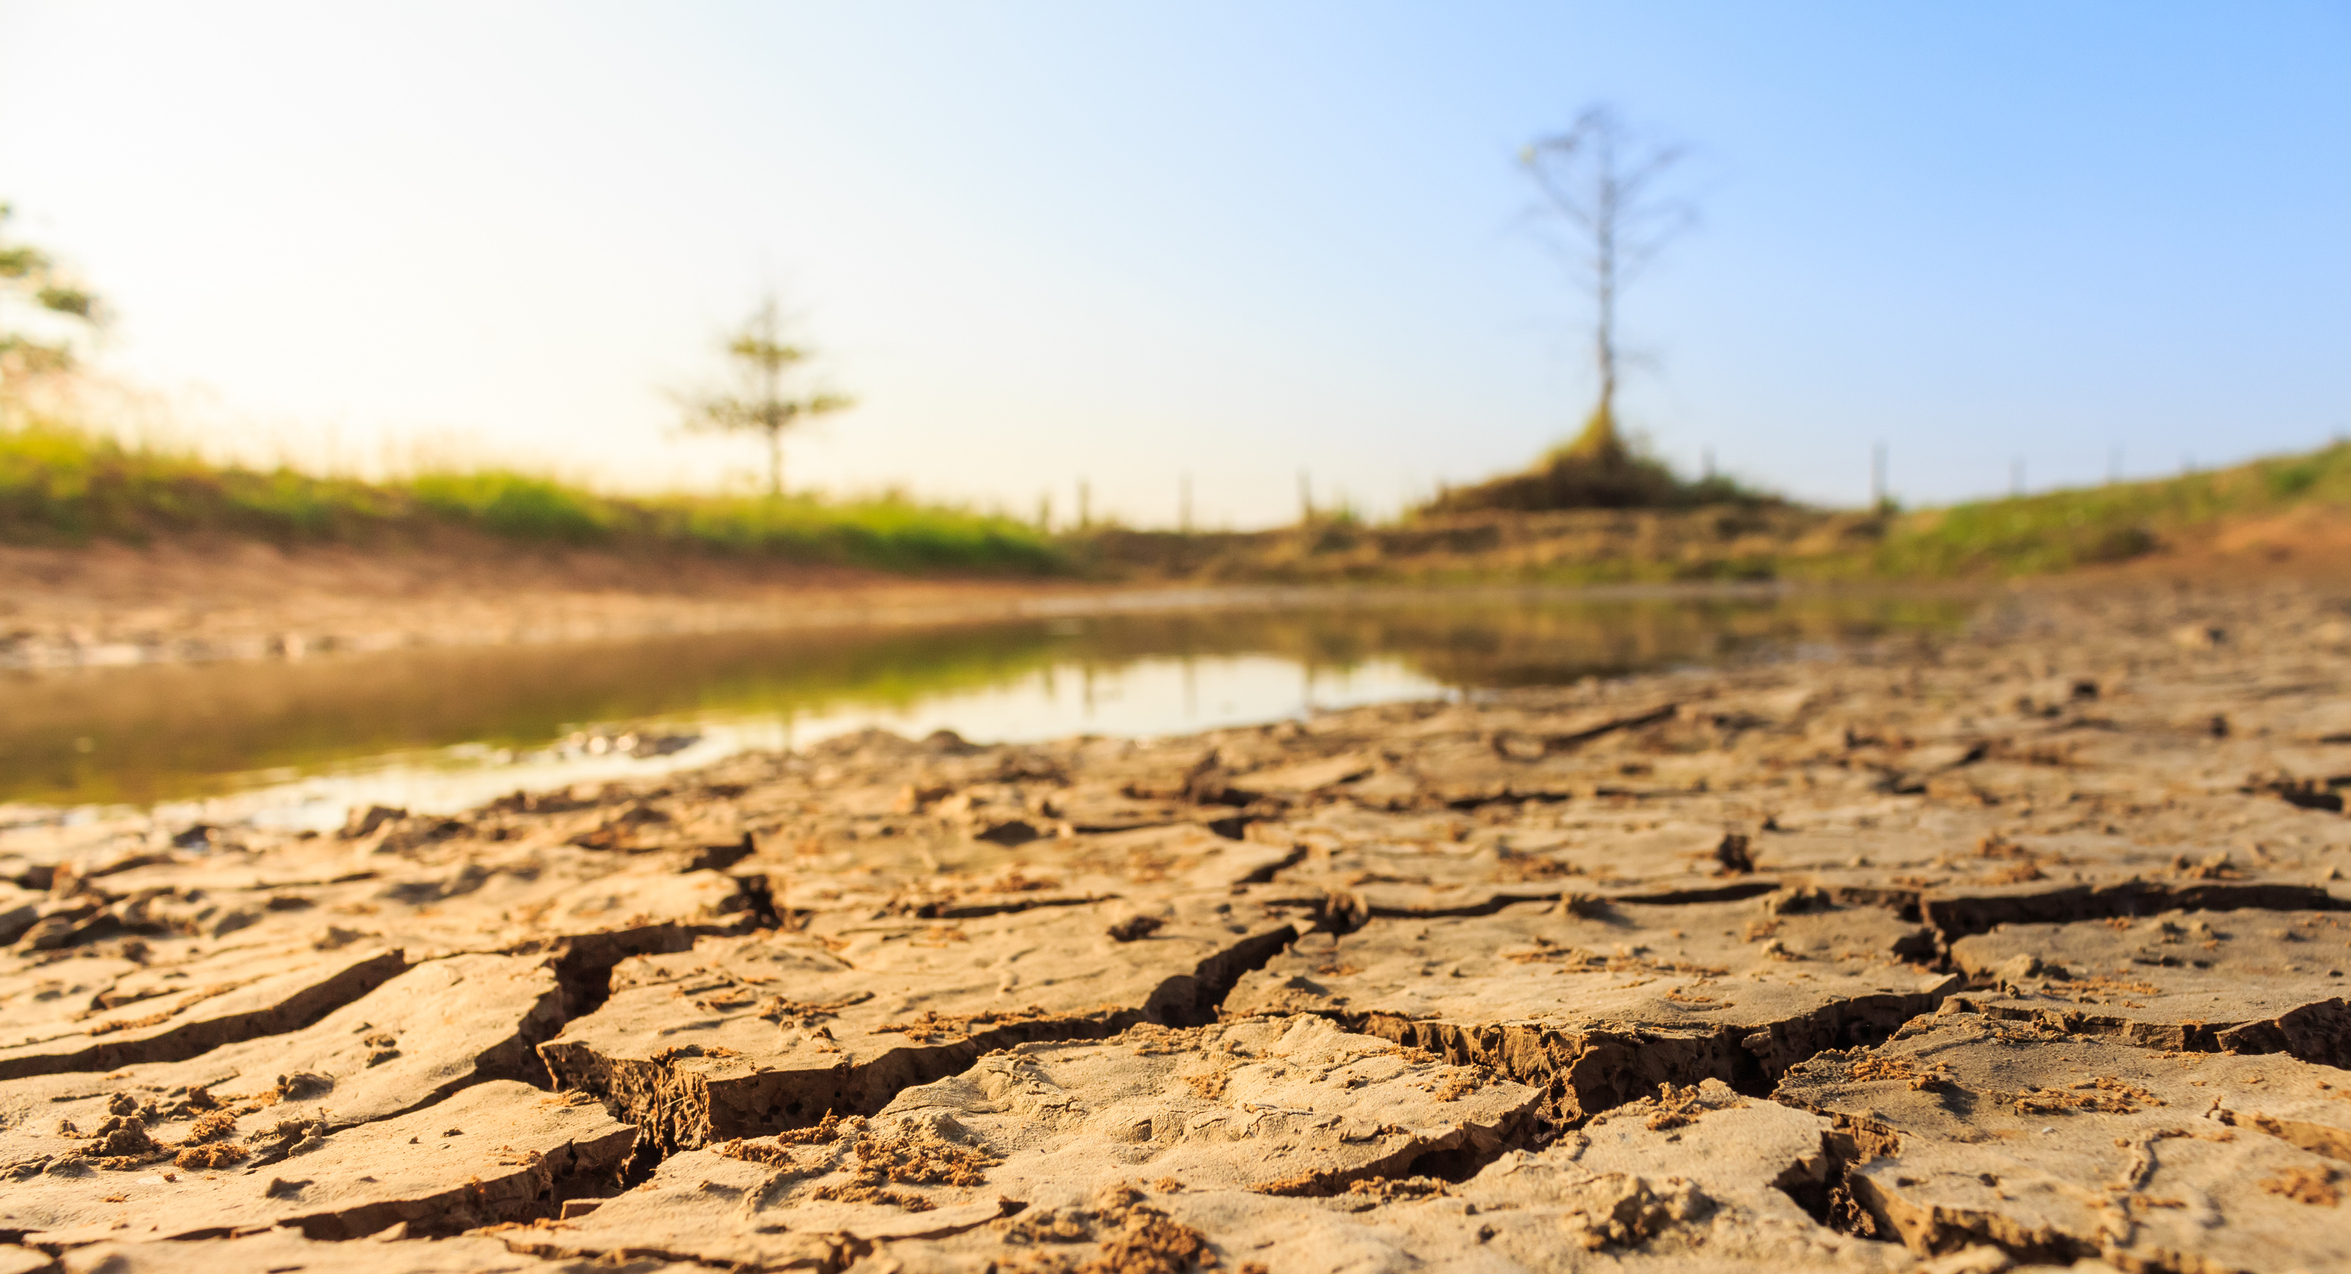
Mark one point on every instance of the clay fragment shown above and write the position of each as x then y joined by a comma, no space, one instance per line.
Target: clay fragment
742,1037
423,1035
289,1250
2230,981
496,1151
1040,1144
237,995
2056,1148
1602,1008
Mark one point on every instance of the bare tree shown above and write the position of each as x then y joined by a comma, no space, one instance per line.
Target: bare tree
762,361
1600,182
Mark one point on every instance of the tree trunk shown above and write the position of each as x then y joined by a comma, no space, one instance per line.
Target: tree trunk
1599,440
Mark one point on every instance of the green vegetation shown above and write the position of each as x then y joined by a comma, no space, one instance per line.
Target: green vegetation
2063,530
1507,531
1596,470
62,485
61,311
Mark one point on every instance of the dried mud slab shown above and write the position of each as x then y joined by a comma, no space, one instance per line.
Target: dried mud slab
1025,1146
421,1036
2235,981
155,1014
2125,894
701,901
741,1037
1449,864
1602,1007
20,909
1971,1129
485,903
953,883
496,1151
1695,1177
428,886
286,1251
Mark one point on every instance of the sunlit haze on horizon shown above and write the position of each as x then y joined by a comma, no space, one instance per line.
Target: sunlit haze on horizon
1046,243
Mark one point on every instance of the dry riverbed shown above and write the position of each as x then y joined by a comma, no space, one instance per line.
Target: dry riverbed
2022,947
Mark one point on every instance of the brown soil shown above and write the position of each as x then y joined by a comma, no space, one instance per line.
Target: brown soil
2312,542
223,598
1857,1054
226,598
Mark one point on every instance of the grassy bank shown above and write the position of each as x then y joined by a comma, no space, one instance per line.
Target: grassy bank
64,486
61,486
2087,526
2042,534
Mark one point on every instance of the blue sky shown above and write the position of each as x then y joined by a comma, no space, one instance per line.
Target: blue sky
1046,242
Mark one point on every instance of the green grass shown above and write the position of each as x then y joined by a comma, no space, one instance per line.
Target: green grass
61,485
2064,530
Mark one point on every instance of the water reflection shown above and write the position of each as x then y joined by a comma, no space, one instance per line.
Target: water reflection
493,719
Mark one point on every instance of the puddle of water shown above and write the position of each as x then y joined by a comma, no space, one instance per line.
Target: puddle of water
298,744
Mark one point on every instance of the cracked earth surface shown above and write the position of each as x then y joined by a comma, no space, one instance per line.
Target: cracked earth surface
2020,947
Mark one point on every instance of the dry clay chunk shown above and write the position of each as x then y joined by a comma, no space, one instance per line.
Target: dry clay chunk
165,1014
482,901
408,1043
547,894
2237,981
1398,867
1610,1004
1976,909
1291,1107
44,994
1466,769
1182,858
1696,1174
19,910
1053,872
2058,1148
285,1251
710,901
1695,1178
498,1151
740,1037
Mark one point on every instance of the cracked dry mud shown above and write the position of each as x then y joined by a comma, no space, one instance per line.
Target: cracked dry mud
2024,946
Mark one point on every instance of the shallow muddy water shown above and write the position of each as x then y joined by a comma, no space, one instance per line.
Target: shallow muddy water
300,742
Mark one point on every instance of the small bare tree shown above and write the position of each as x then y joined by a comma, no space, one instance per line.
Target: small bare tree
1599,182
762,361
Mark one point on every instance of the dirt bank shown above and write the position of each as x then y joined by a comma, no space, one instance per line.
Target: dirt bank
230,598
2022,946
239,599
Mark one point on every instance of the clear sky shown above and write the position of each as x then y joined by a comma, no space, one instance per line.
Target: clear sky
1046,242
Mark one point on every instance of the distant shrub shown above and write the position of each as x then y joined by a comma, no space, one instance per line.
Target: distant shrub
2288,481
1563,482
1589,474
